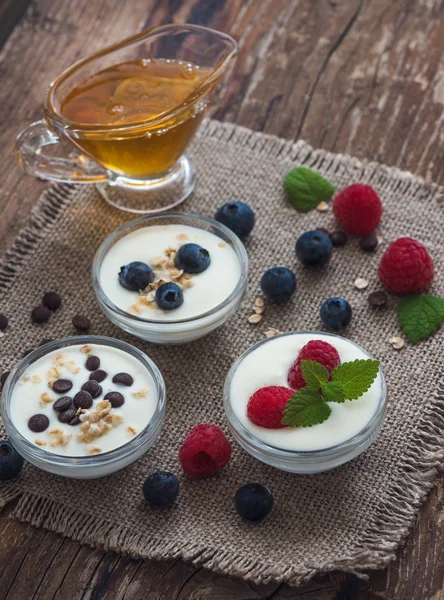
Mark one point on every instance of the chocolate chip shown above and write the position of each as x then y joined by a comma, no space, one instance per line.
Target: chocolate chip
3,321
38,423
75,421
52,300
92,363
40,314
377,299
4,377
28,351
369,243
67,415
123,379
81,323
115,398
338,238
93,388
62,404
61,386
98,375
323,230
83,400
45,341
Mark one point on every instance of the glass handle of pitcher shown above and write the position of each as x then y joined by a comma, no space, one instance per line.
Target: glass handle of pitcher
66,165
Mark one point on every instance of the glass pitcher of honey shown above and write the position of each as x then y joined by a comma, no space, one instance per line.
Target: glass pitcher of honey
122,119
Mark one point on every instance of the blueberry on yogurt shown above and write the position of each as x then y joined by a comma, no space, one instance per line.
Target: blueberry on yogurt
169,296
192,258
136,276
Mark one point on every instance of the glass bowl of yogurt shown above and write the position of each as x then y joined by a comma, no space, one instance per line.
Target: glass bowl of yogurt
352,426
84,407
208,298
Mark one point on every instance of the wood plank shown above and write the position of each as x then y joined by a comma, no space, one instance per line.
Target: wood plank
359,77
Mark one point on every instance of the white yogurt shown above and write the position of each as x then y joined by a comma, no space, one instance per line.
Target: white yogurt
206,290
33,395
269,365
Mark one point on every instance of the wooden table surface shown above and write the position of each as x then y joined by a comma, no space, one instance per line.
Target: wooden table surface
354,76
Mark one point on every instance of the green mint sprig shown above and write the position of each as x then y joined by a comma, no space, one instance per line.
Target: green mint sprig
349,381
306,188
420,316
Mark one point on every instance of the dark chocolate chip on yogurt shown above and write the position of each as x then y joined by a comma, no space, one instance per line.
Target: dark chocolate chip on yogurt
115,398
92,363
81,322
40,314
67,415
61,386
93,388
62,404
99,375
75,421
83,400
38,423
52,300
123,379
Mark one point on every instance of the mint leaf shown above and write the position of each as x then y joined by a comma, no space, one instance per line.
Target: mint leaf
305,408
420,316
333,392
356,376
314,374
306,188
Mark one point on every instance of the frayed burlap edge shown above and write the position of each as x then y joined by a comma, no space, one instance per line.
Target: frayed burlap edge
416,473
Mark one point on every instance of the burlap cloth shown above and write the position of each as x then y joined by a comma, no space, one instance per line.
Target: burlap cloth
351,518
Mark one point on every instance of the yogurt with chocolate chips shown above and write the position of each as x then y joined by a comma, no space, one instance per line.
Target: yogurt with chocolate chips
83,400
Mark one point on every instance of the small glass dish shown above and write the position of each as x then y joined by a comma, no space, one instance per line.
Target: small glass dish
97,465
172,331
309,461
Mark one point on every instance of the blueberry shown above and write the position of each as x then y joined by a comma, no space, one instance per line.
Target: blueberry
192,258
314,248
136,276
11,462
336,313
169,296
253,501
161,489
278,284
237,216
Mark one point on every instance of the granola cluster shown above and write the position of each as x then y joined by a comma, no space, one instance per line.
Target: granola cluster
96,423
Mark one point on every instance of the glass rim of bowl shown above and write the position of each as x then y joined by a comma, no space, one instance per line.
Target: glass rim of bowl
62,121
237,245
149,432
305,456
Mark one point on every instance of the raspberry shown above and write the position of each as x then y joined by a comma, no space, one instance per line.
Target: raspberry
358,209
322,352
266,406
204,451
406,267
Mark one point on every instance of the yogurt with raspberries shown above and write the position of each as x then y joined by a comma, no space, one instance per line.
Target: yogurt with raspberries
157,246
268,365
83,400
201,296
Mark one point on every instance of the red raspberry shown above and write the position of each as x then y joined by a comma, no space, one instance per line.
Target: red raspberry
406,267
358,209
322,352
266,406
204,451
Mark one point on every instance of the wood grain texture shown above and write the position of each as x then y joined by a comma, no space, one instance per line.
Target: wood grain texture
355,76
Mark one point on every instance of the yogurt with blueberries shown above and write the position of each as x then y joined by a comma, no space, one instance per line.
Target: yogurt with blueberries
83,400
272,363
169,272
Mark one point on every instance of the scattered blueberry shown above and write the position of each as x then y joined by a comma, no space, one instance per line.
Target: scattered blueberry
136,276
161,489
278,284
253,501
11,462
192,258
314,248
169,296
238,217
336,313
